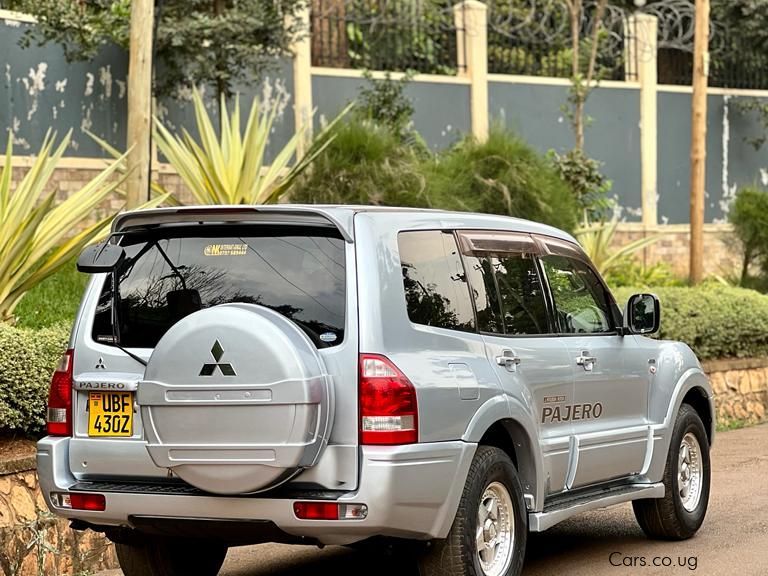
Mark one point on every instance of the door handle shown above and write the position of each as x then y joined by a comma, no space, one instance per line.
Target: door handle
508,360
587,361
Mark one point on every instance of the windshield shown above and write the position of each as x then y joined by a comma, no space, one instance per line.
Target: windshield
170,273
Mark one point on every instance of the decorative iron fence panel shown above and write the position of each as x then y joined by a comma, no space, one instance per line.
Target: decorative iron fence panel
394,35
534,38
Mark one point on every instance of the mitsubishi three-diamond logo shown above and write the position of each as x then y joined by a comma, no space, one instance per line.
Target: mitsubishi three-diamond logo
210,369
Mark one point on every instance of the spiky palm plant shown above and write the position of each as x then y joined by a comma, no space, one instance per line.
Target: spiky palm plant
36,231
597,241
229,167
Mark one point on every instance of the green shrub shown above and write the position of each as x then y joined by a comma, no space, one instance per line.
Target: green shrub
749,216
384,102
52,301
369,164
503,175
716,321
365,164
632,272
29,358
587,183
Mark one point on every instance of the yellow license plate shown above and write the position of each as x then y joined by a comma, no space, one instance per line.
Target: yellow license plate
110,414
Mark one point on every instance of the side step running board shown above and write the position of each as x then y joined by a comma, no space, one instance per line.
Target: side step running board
571,504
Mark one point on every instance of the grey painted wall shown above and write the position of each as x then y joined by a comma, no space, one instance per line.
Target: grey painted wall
40,90
535,112
731,161
441,111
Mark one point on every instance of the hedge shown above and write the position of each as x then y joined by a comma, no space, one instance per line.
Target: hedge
716,321
27,360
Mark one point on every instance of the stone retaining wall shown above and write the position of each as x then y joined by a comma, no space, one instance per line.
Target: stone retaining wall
741,389
33,542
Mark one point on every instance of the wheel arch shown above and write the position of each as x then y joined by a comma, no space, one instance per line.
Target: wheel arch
697,398
509,435
507,426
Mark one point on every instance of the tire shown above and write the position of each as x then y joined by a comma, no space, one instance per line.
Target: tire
157,556
491,475
680,513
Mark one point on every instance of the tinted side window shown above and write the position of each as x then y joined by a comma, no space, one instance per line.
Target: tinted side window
435,285
522,295
580,300
508,293
484,292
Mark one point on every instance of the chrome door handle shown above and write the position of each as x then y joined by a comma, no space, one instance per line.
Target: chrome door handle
508,360
587,361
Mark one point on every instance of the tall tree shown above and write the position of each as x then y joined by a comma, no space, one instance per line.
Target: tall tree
582,81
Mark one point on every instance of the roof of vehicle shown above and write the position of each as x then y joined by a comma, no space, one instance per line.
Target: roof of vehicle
341,216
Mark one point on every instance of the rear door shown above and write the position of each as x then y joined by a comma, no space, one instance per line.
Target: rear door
532,364
304,274
610,405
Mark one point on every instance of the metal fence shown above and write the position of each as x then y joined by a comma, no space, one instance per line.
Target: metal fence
534,38
396,35
733,63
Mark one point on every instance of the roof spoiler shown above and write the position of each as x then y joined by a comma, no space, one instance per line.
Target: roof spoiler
266,214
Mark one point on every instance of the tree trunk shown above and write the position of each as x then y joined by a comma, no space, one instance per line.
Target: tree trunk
139,127
699,140
577,88
745,267
222,89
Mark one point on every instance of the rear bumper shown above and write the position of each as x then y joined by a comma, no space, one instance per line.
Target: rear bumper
410,491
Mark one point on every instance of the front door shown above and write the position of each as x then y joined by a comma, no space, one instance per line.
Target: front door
609,413
532,365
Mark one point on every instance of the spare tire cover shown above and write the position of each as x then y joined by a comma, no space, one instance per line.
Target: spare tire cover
235,399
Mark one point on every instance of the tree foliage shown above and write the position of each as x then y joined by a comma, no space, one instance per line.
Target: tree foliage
749,216
221,43
746,18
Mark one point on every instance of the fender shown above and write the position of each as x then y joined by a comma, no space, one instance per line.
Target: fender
517,419
690,379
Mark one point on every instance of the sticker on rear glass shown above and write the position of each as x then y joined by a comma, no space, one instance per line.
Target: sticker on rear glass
328,337
225,250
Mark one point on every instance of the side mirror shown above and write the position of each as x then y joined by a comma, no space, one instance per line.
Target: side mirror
98,258
643,314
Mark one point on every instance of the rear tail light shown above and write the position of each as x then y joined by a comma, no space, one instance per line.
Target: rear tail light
80,501
329,511
60,398
388,410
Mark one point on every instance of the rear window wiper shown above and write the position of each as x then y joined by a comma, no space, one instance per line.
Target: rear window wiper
116,322
116,299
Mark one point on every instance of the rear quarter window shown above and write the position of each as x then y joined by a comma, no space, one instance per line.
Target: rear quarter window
170,273
436,291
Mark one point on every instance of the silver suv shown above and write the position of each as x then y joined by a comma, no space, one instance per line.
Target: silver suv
339,374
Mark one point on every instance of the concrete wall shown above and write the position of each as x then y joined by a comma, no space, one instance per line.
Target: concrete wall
534,110
441,108
39,90
731,161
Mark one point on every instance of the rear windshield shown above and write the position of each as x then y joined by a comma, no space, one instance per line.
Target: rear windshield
170,273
